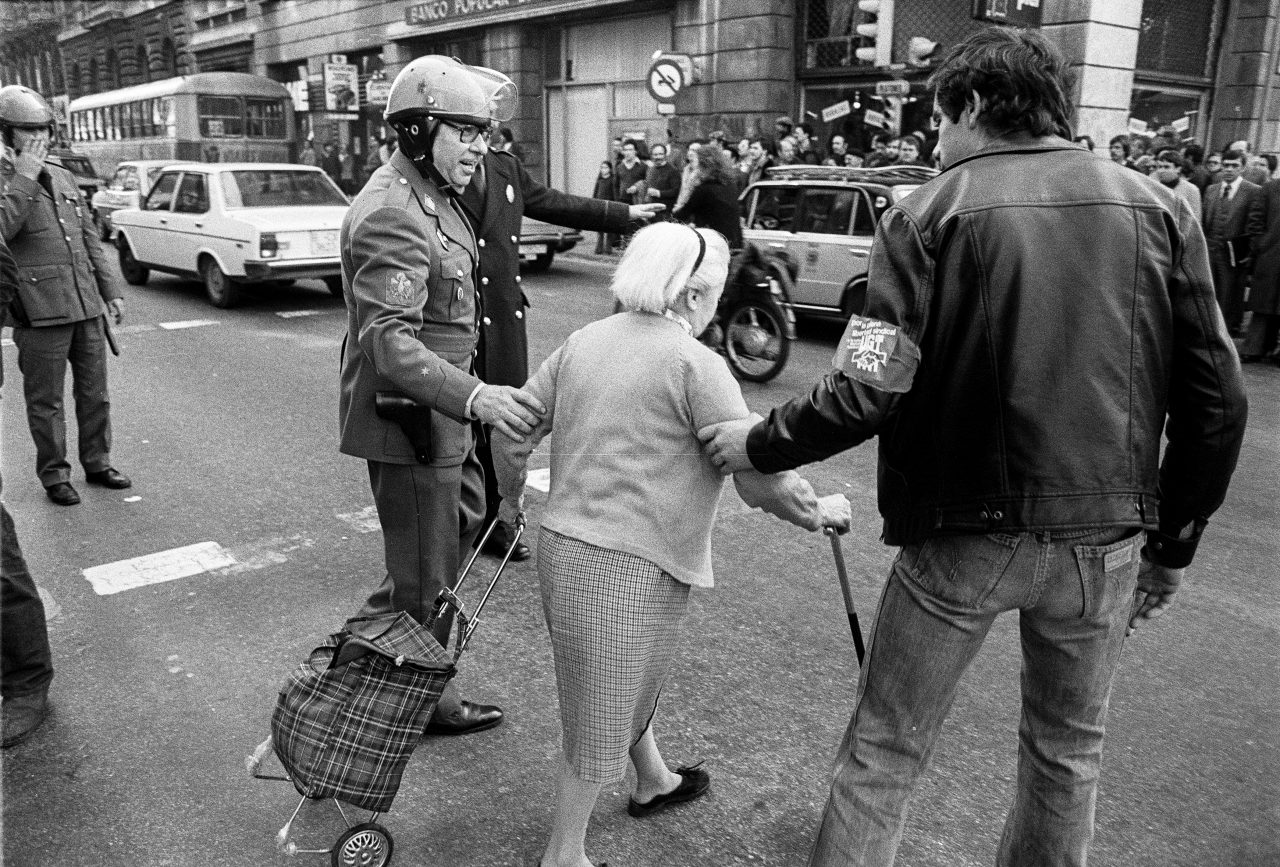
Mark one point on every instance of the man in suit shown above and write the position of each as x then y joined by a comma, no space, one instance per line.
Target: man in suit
408,274
499,195
66,290
1232,222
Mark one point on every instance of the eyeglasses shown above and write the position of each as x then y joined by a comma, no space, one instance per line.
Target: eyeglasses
468,132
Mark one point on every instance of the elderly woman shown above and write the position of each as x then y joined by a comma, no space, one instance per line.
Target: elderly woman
626,532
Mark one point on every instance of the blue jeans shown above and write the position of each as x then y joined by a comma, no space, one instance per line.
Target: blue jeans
1074,591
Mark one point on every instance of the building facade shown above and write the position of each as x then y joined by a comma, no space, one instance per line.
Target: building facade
1208,68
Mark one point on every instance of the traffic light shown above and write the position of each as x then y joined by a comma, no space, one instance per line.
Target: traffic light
876,32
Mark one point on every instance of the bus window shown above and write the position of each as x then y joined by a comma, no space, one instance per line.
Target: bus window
220,116
161,196
192,197
266,118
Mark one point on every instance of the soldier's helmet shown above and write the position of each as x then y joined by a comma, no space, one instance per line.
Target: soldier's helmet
435,88
22,108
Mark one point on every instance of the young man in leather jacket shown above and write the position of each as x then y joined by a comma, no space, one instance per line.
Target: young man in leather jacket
1035,317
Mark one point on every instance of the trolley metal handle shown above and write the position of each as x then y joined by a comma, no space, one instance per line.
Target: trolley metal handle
467,623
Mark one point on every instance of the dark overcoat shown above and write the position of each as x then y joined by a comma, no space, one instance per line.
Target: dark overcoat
1264,293
510,193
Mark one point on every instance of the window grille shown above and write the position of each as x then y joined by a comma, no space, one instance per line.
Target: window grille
1176,37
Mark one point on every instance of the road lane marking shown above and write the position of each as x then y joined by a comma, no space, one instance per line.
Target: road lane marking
363,521
188,323
293,314
157,568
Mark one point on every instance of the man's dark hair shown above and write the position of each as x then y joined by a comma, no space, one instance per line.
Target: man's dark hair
1233,155
881,138
1021,77
1169,155
1194,154
1123,141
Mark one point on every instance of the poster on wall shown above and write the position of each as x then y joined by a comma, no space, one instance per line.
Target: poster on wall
341,87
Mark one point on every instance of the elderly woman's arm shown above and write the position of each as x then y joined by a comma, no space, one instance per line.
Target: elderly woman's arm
790,497
511,458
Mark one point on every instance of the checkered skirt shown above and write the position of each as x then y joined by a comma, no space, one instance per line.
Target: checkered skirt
615,623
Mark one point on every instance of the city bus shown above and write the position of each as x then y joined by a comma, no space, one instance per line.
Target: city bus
205,117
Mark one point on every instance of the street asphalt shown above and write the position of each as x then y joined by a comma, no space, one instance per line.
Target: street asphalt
229,432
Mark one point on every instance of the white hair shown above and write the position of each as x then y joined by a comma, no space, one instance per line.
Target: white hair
658,266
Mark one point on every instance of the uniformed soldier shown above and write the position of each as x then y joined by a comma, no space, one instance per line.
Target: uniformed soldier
499,195
65,291
408,263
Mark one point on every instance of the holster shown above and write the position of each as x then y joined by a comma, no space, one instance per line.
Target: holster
414,420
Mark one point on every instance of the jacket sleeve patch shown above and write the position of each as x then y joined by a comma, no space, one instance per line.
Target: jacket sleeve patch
877,354
399,289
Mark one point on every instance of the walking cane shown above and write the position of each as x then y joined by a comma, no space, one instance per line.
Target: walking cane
849,608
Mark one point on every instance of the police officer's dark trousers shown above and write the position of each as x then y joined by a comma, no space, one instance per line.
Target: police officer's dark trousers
43,354
430,516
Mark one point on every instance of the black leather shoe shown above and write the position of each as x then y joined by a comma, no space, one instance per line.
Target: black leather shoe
22,715
500,541
470,719
109,478
694,783
62,493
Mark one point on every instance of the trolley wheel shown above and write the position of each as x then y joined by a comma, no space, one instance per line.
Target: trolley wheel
365,845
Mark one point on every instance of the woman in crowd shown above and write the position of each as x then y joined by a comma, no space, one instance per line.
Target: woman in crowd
604,190
712,201
626,531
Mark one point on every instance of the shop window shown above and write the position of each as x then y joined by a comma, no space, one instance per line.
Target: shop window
1176,37
220,116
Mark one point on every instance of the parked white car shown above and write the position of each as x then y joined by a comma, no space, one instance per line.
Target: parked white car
131,182
234,223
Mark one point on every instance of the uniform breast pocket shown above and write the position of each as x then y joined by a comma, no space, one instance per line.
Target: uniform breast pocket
454,301
41,291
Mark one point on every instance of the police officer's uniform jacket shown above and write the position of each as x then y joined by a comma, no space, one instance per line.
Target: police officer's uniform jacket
62,274
408,258
510,193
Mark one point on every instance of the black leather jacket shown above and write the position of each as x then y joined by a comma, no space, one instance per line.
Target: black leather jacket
1047,311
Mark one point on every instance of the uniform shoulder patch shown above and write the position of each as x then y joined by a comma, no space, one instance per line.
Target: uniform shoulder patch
399,289
877,354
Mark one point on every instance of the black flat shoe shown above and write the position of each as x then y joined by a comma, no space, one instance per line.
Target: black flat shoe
109,478
500,541
470,719
694,784
62,493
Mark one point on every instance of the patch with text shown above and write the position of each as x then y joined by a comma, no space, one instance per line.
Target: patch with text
877,354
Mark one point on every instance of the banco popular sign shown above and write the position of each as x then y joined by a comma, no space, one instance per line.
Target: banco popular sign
436,11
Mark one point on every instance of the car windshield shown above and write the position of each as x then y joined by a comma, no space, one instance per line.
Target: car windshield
279,188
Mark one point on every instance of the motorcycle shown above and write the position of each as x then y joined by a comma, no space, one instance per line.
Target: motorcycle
754,323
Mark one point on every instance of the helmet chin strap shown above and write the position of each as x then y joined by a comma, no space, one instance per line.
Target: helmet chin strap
421,150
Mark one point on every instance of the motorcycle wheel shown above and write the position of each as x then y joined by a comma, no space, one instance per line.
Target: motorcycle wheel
755,340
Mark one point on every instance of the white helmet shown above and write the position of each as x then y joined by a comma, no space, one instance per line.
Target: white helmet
444,87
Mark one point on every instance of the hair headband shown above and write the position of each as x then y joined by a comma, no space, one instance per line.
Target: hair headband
702,251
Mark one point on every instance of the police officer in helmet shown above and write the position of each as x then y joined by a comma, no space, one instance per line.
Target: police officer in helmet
408,263
65,291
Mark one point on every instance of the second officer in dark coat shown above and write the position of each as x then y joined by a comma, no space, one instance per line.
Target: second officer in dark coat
499,195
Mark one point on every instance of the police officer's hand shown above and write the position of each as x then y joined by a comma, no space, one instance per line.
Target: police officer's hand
512,411
30,163
116,308
645,213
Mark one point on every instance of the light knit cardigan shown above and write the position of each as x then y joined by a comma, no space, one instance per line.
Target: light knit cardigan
625,397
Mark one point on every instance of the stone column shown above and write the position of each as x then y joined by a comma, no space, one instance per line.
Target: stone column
516,50
1247,83
1100,41
744,53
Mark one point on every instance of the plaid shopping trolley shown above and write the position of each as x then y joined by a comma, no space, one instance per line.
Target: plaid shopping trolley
349,716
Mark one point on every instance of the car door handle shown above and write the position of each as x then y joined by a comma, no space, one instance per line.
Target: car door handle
164,222
859,253
779,244
199,225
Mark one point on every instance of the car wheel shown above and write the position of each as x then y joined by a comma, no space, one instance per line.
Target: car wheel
541,262
218,287
135,273
335,285
104,225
